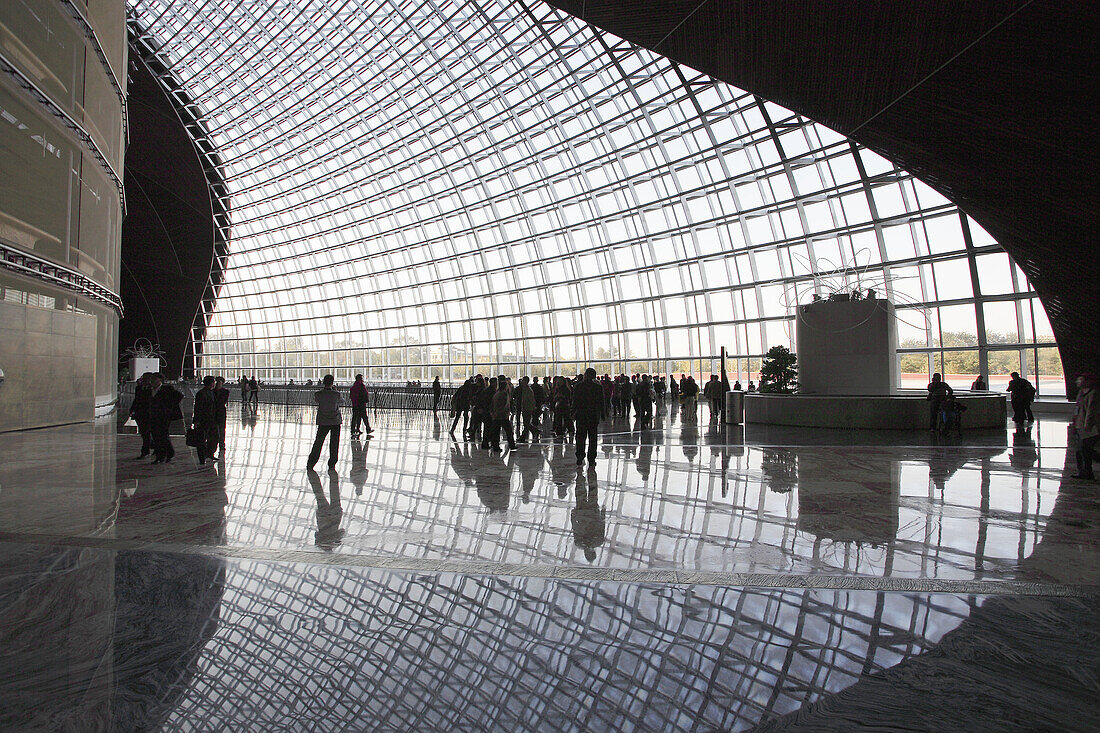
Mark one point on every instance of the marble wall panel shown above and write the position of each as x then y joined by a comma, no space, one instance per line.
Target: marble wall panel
49,360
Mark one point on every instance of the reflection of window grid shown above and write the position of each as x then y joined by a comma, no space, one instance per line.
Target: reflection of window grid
380,160
495,653
716,513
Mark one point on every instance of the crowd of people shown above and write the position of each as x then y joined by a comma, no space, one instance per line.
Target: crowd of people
496,413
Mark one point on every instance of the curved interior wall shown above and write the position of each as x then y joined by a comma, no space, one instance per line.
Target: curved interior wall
493,186
169,236
62,142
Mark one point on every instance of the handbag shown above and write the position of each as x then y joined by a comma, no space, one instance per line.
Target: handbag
192,437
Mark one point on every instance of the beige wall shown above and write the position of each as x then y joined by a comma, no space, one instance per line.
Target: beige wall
58,349
49,362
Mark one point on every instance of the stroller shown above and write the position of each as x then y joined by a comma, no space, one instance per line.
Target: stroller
950,417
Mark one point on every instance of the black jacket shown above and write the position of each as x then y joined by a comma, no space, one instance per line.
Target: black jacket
165,404
143,397
588,400
206,407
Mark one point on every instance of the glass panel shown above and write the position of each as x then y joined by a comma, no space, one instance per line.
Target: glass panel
446,187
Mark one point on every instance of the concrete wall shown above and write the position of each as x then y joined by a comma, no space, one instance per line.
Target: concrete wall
49,362
868,411
847,348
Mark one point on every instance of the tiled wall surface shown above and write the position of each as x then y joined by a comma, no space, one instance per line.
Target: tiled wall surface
49,362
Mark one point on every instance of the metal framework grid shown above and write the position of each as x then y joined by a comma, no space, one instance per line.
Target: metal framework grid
449,187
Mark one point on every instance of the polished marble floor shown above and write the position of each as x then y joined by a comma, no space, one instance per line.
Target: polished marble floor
701,577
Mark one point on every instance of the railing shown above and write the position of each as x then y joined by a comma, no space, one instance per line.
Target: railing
381,396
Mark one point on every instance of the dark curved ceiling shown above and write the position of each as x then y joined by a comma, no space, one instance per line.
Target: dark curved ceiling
168,235
990,103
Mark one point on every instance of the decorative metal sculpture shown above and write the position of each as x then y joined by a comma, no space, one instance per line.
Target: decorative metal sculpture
143,348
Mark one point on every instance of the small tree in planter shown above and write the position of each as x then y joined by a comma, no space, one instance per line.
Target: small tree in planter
779,371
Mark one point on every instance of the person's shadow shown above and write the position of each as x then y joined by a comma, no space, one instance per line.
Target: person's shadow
358,473
494,479
588,519
462,463
329,511
1024,454
529,461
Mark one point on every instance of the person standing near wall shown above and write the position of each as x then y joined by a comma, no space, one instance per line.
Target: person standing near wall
1086,426
437,394
588,408
328,423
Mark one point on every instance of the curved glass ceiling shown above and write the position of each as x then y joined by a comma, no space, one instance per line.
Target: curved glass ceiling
439,187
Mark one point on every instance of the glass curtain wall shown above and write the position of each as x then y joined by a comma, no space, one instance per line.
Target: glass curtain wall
452,187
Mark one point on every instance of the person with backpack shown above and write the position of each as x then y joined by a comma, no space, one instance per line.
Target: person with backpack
1023,394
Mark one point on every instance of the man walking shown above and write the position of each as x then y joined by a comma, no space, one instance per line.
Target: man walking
164,407
587,407
359,395
328,423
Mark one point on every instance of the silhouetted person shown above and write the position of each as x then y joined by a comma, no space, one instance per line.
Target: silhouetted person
329,511
481,404
140,411
328,423
588,519
460,406
752,386
204,419
938,390
501,418
1022,394
254,390
737,386
437,394
689,394
359,395
715,394
164,407
527,407
979,385
588,407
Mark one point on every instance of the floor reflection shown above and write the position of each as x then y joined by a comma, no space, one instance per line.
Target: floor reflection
119,611
681,496
249,645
